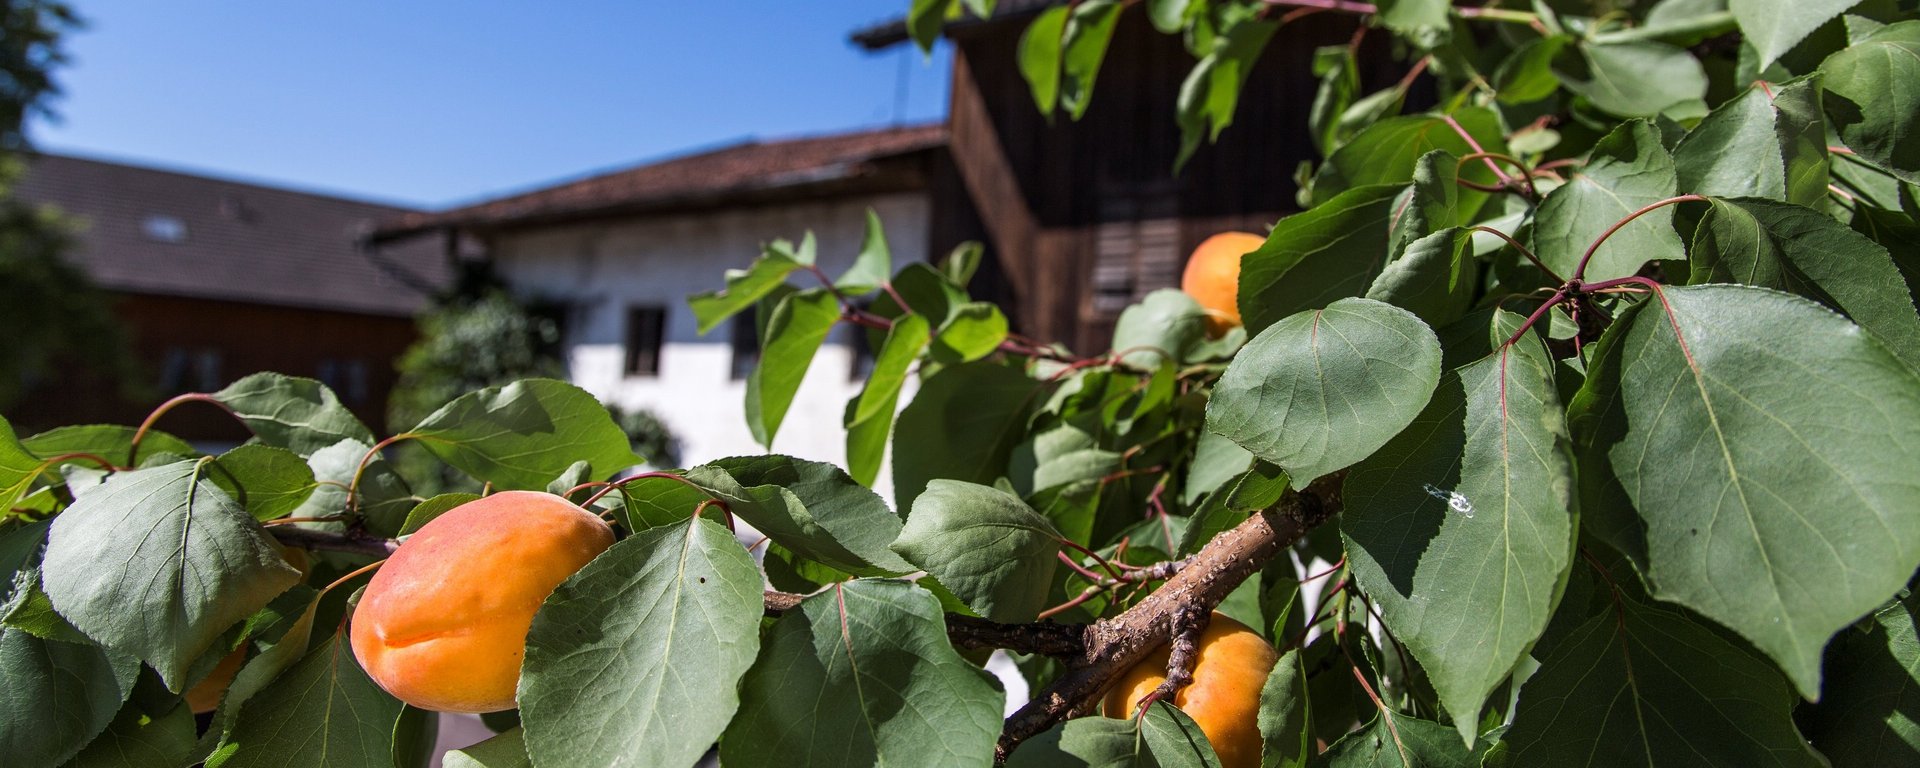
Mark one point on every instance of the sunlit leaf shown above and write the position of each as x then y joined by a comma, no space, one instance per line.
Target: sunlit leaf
300,415
987,546
745,287
1323,389
633,661
1629,169
524,434
185,563
1459,529
863,674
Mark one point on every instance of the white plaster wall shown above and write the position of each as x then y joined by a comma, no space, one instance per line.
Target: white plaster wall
601,268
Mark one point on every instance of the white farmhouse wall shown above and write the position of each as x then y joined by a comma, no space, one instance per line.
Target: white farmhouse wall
602,268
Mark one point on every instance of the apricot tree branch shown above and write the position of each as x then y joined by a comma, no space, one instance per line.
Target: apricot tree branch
1112,646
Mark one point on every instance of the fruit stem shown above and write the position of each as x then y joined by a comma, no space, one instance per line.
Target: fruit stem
362,570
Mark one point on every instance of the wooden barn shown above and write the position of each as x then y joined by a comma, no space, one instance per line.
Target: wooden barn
1083,217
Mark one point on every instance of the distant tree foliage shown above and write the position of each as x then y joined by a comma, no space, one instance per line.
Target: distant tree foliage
61,324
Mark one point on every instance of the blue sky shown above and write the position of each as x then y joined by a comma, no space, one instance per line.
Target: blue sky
433,102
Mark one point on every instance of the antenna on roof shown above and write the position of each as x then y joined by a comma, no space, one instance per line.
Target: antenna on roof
904,75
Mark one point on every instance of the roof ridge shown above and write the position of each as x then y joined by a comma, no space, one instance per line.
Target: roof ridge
221,177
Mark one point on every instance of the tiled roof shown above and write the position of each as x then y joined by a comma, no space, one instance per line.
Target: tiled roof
151,231
893,32
707,178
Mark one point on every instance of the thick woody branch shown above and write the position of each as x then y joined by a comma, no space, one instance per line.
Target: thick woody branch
1115,645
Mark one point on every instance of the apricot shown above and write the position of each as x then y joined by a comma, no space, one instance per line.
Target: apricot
443,624
1224,697
1213,277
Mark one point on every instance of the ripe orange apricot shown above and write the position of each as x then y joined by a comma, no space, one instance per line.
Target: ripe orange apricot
1213,277
443,625
1224,697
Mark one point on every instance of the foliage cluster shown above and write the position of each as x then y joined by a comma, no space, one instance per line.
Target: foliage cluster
1607,364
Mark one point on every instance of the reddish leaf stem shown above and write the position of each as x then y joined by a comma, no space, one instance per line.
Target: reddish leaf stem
1580,269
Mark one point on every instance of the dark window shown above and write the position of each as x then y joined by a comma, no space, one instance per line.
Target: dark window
347,378
184,369
745,340
173,371
646,330
860,344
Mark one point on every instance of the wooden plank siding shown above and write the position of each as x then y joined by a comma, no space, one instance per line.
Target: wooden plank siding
1084,217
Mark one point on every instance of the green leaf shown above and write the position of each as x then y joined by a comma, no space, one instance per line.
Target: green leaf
1408,743
435,507
793,333
987,546
1084,41
507,750
1526,76
1633,79
1329,252
1774,27
926,18
1780,515
745,287
1425,23
633,660
1286,740
414,737
1085,742
1643,686
1869,98
1166,326
655,501
57,697
1431,204
519,436
863,674
300,415
262,670
1459,529
385,499
1628,170
960,263
1170,16
18,468
1323,389
1794,249
872,265
112,442
1386,152
1434,278
323,712
869,417
135,740
1211,93
1759,144
810,507
1866,713
1175,740
269,482
974,331
577,473
1339,77
183,563
962,425
1040,57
